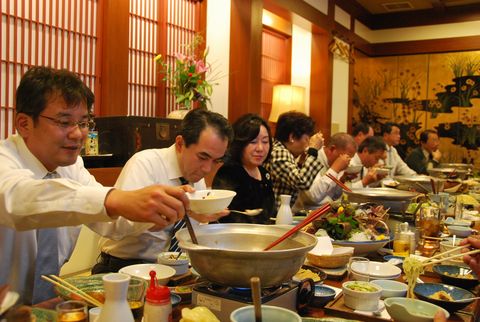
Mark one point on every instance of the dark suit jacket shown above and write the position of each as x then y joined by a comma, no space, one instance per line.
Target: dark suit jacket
416,160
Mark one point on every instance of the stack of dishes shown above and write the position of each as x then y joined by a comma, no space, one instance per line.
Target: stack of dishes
375,270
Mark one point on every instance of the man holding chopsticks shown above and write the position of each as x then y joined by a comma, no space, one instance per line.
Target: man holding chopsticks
202,142
44,186
335,158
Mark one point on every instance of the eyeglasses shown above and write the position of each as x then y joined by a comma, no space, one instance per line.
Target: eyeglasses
70,125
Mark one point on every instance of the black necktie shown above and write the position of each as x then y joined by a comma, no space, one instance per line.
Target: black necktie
47,258
176,227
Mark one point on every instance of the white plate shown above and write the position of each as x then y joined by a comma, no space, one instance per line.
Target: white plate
9,301
377,270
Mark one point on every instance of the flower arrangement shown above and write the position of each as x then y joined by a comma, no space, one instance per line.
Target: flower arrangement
187,77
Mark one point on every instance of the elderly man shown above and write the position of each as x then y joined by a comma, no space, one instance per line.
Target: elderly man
335,158
369,154
361,131
427,155
391,136
202,141
43,183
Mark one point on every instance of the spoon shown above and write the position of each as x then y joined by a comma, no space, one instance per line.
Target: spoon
257,303
249,212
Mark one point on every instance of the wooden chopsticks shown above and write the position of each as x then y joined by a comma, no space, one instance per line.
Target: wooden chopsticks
72,289
338,182
314,215
430,261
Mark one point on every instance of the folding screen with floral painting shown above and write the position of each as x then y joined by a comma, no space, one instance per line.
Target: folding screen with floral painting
431,91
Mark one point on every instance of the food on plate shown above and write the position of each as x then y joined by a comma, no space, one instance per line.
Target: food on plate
198,314
181,289
306,273
466,276
361,287
442,295
354,223
412,268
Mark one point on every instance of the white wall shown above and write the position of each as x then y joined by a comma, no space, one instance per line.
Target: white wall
218,42
461,29
301,60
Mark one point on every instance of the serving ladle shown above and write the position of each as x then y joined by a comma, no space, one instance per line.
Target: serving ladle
249,212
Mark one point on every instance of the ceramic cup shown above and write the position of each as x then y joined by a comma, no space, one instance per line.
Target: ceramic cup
269,314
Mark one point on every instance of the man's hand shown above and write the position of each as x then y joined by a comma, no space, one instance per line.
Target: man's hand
316,141
370,177
437,155
472,260
341,163
161,205
439,317
208,218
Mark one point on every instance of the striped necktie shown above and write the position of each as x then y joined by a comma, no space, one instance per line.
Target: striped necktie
174,247
47,258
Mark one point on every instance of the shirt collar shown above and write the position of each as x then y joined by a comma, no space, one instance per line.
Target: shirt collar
30,161
172,167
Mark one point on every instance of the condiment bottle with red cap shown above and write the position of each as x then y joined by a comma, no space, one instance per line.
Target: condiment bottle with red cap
158,307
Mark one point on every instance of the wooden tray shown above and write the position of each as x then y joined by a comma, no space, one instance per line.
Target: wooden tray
338,308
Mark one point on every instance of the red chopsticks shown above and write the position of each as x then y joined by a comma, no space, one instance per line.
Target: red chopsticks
338,182
314,215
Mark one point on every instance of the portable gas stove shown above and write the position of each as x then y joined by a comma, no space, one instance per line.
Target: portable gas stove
223,300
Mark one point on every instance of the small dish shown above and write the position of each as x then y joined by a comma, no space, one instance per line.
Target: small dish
391,288
377,270
424,291
210,201
456,275
394,260
365,297
164,272
403,309
322,295
460,231
184,291
353,169
180,265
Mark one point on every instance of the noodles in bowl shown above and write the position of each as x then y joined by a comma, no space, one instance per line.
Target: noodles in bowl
412,268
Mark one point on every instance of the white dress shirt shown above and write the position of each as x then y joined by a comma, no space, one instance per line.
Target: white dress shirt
399,167
129,240
28,202
322,190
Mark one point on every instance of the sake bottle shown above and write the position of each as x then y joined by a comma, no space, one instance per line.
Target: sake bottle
116,307
284,214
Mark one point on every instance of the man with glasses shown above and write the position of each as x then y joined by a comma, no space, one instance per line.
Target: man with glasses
45,191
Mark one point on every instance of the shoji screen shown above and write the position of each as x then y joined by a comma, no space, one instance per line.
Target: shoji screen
182,22
275,66
56,33
142,50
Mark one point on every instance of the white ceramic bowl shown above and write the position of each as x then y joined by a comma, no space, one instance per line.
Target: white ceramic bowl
180,265
269,313
460,231
210,201
353,169
382,171
143,271
448,245
402,309
376,270
364,301
391,288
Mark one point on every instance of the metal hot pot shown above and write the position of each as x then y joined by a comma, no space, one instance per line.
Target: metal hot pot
230,254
